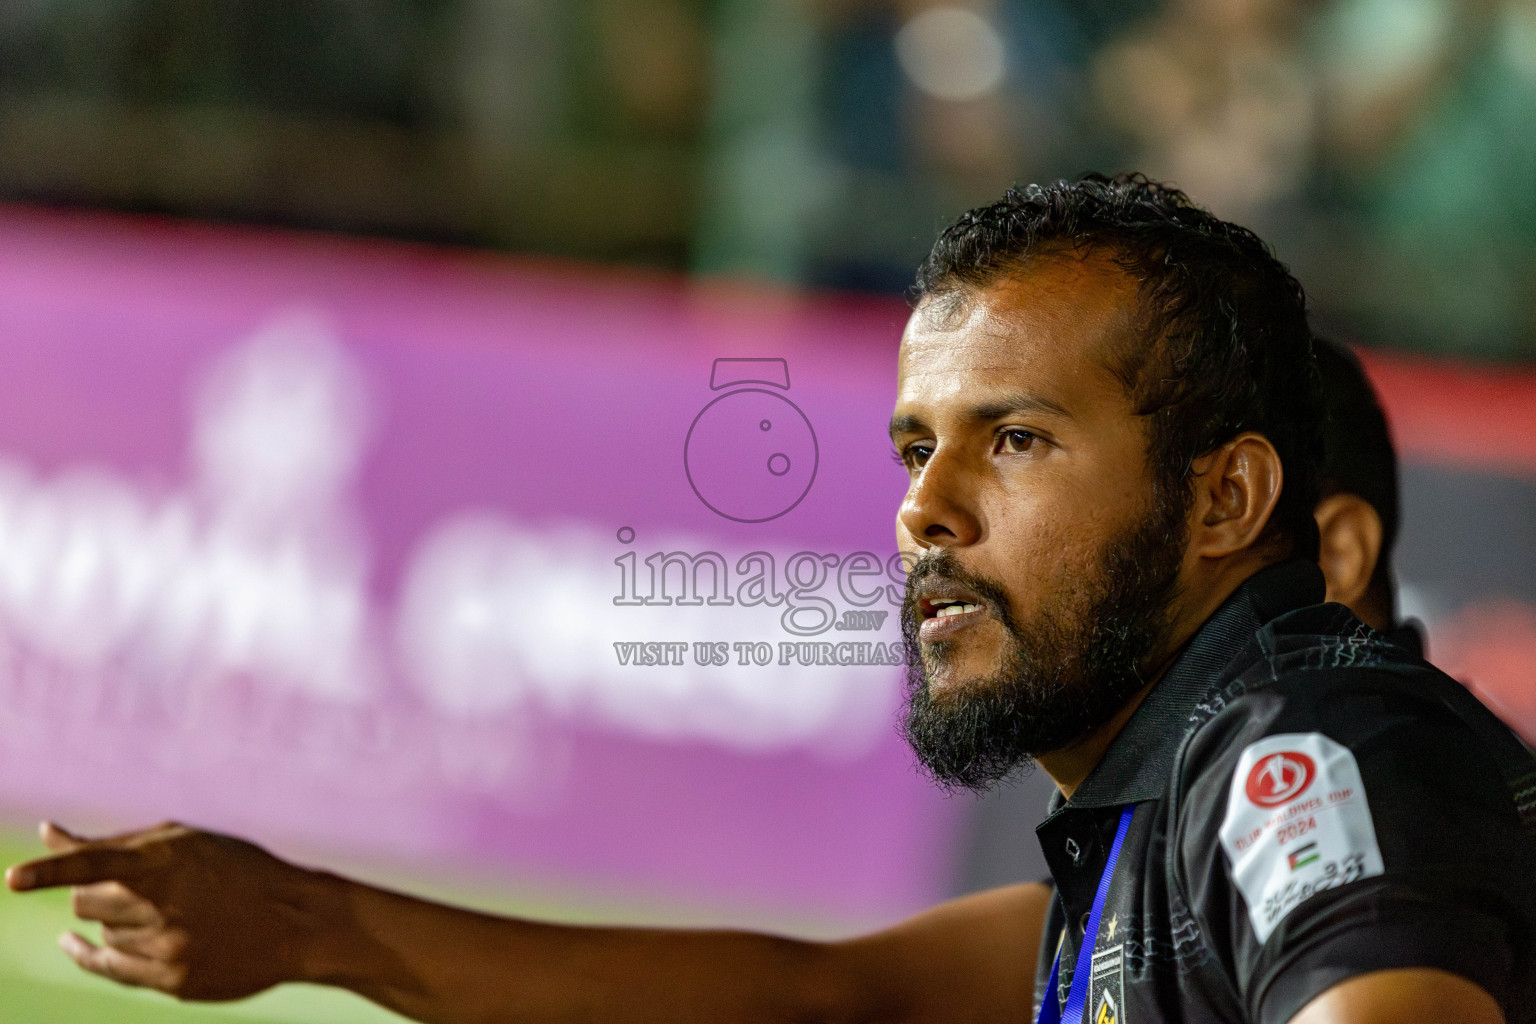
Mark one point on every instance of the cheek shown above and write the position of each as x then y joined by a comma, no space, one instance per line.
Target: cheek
1035,552
1077,507
1044,549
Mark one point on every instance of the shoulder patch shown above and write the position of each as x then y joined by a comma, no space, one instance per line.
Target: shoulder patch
1297,824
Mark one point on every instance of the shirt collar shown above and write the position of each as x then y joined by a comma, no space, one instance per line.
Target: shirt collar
1138,763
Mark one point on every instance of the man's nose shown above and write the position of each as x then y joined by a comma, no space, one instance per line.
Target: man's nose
939,509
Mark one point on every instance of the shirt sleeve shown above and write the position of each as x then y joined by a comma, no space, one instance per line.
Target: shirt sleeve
1341,823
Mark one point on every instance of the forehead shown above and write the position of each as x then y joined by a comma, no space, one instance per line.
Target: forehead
1055,328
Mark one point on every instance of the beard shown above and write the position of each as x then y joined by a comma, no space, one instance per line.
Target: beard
1069,669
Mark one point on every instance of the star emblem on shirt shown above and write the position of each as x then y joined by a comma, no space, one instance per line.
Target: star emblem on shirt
1114,922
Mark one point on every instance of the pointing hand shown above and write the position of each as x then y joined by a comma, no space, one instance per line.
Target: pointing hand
195,914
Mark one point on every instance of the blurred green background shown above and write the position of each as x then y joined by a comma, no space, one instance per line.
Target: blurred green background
1384,146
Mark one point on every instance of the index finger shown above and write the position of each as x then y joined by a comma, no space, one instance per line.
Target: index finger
84,866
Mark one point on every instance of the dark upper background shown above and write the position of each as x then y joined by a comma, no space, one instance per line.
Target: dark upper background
1383,145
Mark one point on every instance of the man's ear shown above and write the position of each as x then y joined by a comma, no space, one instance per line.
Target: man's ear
1236,487
1351,543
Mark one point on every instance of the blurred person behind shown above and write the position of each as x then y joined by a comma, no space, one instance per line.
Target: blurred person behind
1358,519
1422,105
1217,97
1359,508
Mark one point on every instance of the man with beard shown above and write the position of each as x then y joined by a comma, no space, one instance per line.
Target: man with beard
1107,406
1357,517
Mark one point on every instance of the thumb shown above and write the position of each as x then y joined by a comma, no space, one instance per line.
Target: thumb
57,838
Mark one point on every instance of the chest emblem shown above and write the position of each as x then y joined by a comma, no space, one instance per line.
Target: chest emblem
1108,1012
1106,992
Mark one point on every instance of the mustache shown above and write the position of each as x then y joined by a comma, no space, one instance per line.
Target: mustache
941,564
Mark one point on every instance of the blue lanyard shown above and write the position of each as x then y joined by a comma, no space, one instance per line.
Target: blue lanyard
1051,1010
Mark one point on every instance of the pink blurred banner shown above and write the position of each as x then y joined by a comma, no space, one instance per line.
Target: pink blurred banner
448,557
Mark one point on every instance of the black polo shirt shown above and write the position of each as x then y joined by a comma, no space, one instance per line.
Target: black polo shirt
1312,802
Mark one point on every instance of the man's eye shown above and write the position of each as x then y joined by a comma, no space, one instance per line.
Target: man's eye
1017,442
913,456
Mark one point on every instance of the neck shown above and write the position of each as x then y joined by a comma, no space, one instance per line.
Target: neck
1070,765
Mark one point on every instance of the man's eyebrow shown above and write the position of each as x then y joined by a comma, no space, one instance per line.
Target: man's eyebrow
905,425
1019,402
1008,405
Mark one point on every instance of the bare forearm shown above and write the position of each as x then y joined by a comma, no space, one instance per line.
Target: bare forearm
444,965
204,916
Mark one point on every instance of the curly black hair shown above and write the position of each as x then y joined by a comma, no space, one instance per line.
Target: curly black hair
1226,346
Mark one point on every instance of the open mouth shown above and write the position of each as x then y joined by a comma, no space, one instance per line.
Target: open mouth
947,609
